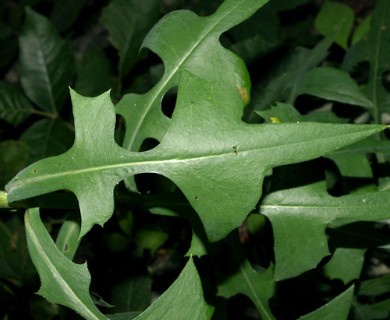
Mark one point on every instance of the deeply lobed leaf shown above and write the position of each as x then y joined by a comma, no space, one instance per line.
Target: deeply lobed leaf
217,161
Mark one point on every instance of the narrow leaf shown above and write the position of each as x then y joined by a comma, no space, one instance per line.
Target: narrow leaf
335,20
183,299
62,281
45,63
68,238
334,85
300,215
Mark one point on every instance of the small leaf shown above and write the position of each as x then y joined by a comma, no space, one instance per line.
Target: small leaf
62,281
46,63
334,85
300,215
14,106
183,299
68,238
336,309
335,20
128,22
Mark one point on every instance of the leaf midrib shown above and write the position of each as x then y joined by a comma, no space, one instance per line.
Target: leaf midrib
152,161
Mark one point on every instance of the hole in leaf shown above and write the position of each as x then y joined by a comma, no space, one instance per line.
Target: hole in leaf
385,79
168,102
149,144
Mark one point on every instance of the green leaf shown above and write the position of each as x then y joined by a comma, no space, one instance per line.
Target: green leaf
14,106
46,63
123,316
258,286
352,164
65,13
94,65
300,215
15,264
128,22
13,158
375,50
182,300
362,30
334,85
132,294
335,20
195,47
47,138
62,281
336,309
283,85
216,177
68,238
346,264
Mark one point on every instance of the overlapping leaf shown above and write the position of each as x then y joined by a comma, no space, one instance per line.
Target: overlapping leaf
299,217
185,41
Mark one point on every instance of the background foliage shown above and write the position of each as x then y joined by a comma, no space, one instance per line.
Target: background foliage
313,247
